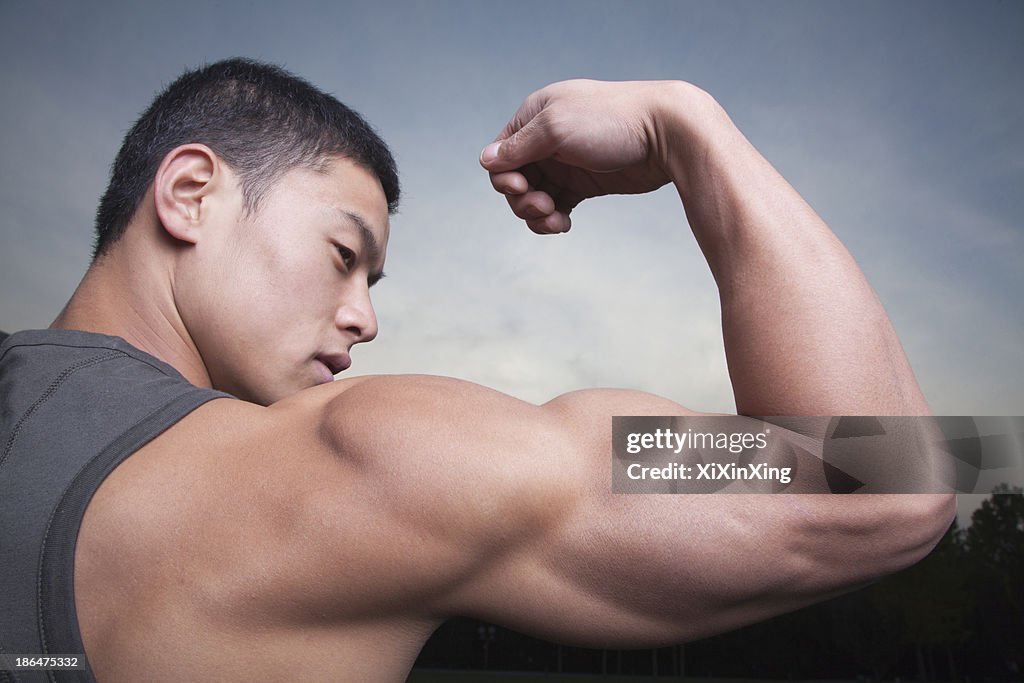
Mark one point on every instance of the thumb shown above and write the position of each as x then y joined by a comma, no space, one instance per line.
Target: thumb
532,142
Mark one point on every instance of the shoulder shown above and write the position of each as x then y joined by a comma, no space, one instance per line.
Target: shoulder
354,479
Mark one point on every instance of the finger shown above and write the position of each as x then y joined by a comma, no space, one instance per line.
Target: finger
533,142
531,205
531,106
510,182
553,224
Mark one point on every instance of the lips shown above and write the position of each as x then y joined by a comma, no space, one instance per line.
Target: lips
335,362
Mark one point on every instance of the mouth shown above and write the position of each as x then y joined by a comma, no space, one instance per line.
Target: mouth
331,364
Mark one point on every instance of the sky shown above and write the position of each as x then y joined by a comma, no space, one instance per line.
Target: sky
900,123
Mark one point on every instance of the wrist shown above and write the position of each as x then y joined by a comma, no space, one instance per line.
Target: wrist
685,121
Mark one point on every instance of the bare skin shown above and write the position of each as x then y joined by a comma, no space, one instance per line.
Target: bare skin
322,531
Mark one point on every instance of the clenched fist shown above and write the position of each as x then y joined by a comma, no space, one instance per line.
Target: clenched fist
579,139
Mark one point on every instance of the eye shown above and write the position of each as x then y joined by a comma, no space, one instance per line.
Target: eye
348,257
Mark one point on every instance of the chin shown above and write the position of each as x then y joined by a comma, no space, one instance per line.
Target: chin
281,393
261,396
265,391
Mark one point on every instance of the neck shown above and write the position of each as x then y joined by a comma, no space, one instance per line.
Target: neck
120,300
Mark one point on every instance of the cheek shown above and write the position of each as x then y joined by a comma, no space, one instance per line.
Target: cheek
266,269
292,291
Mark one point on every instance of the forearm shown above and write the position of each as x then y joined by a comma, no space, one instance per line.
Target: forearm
804,332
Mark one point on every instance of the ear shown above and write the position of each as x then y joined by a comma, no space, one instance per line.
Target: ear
183,182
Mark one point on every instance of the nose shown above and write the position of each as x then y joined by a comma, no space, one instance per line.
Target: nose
356,315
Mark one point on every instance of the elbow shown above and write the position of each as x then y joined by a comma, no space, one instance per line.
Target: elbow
865,537
927,518
897,530
913,525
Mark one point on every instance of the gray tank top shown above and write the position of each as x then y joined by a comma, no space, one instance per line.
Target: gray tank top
73,406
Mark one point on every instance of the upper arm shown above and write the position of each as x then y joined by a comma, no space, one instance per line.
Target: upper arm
501,509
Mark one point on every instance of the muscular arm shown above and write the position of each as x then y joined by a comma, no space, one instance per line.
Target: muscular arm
503,510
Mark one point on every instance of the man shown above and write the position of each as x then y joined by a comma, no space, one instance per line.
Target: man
319,530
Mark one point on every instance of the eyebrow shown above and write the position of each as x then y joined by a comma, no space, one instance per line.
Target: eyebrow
370,245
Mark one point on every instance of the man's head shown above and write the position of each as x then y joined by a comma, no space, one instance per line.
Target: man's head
255,208
258,118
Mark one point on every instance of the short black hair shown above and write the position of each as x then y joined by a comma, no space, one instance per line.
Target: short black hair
258,118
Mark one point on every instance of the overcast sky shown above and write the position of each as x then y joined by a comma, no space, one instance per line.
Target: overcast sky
899,122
